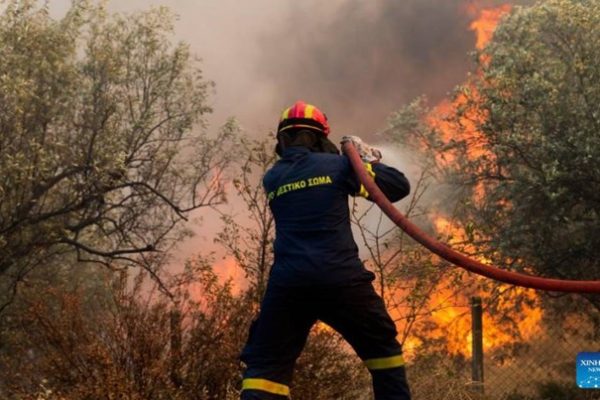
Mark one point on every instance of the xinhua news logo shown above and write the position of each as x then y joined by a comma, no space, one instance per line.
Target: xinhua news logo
588,370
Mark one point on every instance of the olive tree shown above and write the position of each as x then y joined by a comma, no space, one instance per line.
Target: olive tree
103,146
524,141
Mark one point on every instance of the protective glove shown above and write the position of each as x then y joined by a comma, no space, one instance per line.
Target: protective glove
367,153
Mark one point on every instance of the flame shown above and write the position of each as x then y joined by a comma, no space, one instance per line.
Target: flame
449,319
450,310
455,235
486,22
465,130
447,324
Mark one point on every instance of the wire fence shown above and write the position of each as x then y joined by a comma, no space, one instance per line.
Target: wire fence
543,367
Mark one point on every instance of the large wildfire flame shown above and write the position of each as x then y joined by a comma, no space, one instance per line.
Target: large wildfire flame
449,319
484,26
457,325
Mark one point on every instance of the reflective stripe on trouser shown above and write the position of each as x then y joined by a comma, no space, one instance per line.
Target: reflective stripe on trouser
389,377
384,362
266,385
356,312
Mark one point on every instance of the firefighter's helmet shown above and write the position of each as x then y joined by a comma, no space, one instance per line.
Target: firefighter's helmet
302,115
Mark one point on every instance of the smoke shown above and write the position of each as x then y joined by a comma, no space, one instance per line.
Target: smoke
368,58
357,60
361,60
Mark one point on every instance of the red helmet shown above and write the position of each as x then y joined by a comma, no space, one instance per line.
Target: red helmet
302,115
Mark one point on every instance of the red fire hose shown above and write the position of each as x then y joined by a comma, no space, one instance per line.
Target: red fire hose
453,256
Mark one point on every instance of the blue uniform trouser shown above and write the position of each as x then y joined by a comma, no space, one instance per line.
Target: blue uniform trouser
286,316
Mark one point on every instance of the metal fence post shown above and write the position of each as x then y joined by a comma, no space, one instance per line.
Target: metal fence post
477,345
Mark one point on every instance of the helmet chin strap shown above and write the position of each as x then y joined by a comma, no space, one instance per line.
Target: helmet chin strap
313,140
453,256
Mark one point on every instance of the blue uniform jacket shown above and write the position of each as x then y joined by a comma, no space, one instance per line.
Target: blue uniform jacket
308,195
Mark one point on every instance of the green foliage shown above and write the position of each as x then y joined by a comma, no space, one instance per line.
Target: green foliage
103,150
535,149
541,91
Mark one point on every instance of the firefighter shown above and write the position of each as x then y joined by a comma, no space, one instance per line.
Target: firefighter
317,274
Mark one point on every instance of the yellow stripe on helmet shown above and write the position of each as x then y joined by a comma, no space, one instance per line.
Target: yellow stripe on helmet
385,362
266,386
285,113
308,111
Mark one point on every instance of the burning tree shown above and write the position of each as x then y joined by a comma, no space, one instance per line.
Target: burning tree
519,141
515,149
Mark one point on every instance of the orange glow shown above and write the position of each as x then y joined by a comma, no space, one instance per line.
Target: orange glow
444,321
411,347
453,234
463,130
486,22
457,121
322,327
228,269
448,321
454,322
447,325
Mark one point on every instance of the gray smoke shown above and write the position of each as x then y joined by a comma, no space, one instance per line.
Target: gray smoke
360,60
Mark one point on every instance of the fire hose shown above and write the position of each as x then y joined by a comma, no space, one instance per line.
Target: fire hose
453,256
